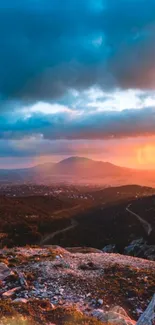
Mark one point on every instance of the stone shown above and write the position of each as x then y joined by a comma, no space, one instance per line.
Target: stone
116,316
58,257
119,310
10,293
61,290
99,314
89,266
4,271
22,280
109,249
119,319
22,300
100,301
140,248
148,317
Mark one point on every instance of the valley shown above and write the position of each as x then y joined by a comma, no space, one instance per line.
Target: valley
74,216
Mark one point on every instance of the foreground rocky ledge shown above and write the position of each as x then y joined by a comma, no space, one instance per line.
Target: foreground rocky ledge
74,286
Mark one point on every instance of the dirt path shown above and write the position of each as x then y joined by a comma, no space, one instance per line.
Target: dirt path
74,224
147,226
59,212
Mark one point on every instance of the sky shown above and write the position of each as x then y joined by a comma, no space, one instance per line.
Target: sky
77,77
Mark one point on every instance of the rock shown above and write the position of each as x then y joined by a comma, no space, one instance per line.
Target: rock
109,249
99,314
4,271
116,316
148,317
140,248
58,265
119,319
89,266
22,280
139,241
52,306
100,301
10,293
119,310
93,302
22,300
61,291
58,257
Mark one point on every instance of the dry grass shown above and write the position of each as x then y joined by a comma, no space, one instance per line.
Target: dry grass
38,312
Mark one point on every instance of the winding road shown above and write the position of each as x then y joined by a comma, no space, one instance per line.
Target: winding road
146,225
48,238
73,224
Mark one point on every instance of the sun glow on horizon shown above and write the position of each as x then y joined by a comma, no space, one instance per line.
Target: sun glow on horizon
146,155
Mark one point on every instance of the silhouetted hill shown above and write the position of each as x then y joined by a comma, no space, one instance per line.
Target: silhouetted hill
79,170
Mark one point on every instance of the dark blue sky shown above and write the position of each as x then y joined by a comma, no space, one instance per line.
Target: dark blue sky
75,70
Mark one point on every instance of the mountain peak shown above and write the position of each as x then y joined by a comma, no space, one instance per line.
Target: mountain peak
75,159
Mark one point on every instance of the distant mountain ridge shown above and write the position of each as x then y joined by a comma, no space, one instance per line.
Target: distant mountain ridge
78,170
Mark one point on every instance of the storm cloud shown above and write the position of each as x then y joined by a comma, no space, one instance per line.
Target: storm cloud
99,125
48,47
75,70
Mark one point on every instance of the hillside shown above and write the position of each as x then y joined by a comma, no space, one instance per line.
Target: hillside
47,284
54,286
24,219
71,216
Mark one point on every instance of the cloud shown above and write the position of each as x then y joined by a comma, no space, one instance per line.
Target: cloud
48,47
86,125
38,147
75,70
131,152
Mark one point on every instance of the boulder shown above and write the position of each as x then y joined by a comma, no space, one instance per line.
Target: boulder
116,316
120,310
140,248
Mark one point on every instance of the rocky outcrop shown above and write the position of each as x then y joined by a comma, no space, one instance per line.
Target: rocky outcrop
97,284
148,317
118,316
115,316
140,248
111,248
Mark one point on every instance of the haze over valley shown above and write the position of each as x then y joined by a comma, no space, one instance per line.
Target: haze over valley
78,170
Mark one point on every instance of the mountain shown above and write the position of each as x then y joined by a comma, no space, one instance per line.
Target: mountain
78,170
86,168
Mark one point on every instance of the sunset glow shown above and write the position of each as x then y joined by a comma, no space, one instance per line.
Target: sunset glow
87,92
